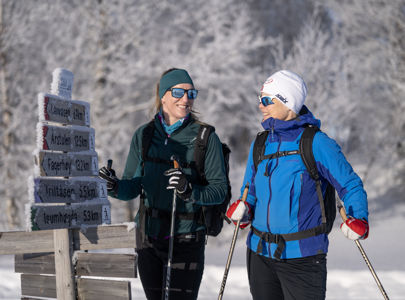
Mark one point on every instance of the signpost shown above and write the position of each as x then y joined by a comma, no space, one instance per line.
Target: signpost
68,202
66,138
71,216
72,190
66,164
61,110
44,246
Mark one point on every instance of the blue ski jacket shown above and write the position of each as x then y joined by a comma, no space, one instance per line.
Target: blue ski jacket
283,195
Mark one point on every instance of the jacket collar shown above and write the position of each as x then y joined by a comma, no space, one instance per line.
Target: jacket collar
292,128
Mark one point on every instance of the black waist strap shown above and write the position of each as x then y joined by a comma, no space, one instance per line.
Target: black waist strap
280,239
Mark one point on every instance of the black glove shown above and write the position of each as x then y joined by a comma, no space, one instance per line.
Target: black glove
178,181
109,176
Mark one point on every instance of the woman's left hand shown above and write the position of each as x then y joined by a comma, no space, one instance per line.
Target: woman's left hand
178,181
355,229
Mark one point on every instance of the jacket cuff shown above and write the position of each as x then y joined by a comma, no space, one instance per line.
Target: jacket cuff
186,194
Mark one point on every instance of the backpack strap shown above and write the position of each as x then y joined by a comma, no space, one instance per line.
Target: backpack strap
200,149
147,136
307,156
258,147
306,151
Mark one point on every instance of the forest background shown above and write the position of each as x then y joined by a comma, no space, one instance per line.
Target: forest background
350,53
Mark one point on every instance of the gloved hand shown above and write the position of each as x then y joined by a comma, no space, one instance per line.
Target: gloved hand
178,181
109,176
355,229
242,211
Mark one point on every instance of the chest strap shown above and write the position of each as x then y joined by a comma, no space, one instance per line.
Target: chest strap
184,165
280,239
278,154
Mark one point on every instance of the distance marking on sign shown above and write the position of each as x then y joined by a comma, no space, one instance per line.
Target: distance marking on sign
57,109
66,164
65,138
72,190
44,217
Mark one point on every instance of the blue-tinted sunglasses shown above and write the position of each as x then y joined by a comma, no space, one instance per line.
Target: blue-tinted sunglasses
179,92
266,100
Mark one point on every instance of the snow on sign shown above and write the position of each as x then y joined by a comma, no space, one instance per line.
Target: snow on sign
57,109
65,138
70,216
66,164
66,191
72,190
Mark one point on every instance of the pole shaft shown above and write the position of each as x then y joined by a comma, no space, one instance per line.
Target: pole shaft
370,266
233,243
228,262
342,212
171,241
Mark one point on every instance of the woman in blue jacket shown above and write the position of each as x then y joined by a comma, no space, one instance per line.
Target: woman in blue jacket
282,199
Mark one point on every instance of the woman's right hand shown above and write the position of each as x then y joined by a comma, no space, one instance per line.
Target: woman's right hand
240,211
109,176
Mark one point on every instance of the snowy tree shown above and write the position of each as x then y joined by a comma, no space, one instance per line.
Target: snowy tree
350,53
366,107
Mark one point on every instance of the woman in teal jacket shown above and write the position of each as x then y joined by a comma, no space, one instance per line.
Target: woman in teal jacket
283,202
151,175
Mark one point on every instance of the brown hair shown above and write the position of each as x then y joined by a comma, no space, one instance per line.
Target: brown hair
158,102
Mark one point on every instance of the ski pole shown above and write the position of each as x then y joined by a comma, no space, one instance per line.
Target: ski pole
235,235
170,254
342,212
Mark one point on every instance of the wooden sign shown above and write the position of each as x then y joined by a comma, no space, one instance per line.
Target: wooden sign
65,138
87,264
87,288
69,216
66,164
57,109
72,190
94,238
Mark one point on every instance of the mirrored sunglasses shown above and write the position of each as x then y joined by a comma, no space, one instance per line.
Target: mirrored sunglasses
179,92
266,100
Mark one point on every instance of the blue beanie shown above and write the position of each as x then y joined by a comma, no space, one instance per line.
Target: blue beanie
173,78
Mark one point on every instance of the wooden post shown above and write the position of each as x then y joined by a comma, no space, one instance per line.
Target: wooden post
65,283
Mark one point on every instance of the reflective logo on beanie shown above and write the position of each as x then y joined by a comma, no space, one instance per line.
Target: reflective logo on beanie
269,80
281,98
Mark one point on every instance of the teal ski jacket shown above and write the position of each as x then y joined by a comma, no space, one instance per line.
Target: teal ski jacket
148,176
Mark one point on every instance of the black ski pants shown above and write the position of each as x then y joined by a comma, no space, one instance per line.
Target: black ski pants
286,279
186,272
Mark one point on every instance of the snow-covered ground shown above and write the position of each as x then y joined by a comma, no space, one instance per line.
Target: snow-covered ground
348,275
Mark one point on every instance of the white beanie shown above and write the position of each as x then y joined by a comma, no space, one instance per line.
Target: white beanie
287,87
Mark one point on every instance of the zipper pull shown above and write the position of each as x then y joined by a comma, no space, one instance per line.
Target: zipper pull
166,141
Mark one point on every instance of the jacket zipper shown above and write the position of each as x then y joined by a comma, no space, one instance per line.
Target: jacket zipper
270,192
